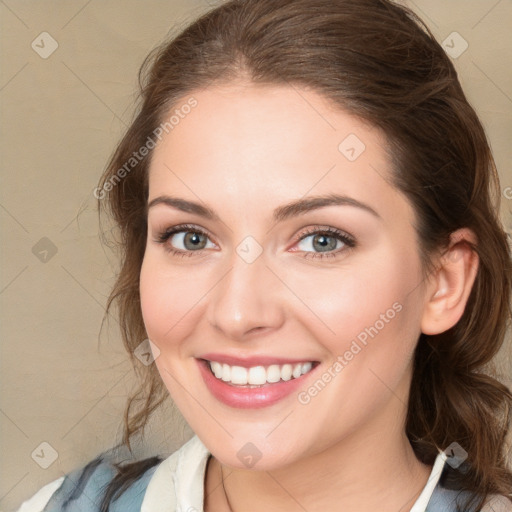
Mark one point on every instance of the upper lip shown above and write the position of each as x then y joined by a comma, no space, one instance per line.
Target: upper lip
257,360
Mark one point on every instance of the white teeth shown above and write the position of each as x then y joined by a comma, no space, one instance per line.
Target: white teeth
238,375
258,375
226,373
286,372
273,373
306,367
297,371
216,369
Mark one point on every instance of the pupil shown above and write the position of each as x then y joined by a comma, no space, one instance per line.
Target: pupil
324,244
195,238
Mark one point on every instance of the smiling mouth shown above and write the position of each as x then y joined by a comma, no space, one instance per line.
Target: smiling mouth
258,376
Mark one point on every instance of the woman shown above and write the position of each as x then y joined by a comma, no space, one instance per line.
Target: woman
310,243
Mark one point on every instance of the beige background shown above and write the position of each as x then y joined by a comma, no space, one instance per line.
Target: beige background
61,117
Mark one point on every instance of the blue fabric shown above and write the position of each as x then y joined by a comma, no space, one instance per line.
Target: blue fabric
446,500
83,489
446,497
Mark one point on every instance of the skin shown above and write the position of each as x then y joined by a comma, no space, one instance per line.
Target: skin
244,151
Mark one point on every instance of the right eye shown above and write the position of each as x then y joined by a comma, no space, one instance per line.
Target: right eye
190,239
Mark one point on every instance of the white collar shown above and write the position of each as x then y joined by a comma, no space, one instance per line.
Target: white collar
421,503
178,482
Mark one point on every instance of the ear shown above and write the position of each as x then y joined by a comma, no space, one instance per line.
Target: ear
450,284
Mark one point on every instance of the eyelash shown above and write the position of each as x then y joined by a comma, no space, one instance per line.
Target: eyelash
347,239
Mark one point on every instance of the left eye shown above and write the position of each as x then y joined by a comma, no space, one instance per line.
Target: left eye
327,242
321,241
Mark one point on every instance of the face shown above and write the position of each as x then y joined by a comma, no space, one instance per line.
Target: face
255,284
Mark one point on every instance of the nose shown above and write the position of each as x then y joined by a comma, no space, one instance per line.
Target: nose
248,299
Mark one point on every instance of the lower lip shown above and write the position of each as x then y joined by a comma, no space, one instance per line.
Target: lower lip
245,397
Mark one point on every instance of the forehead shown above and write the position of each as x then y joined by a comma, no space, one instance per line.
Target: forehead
248,144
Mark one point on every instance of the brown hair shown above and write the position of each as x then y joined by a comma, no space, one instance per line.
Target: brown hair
378,61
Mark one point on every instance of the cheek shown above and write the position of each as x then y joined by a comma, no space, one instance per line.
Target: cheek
375,327
172,297
377,303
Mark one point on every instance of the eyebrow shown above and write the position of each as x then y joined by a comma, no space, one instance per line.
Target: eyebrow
281,213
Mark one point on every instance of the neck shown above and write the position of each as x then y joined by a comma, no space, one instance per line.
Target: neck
371,469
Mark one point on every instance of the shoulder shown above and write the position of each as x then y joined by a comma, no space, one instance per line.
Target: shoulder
448,496
148,484
498,503
39,500
87,487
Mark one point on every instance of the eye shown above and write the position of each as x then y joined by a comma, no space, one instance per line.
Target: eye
189,239
329,242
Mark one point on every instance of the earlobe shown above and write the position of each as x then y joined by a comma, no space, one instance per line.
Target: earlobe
450,284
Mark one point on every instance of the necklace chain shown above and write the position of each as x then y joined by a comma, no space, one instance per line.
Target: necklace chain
224,488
